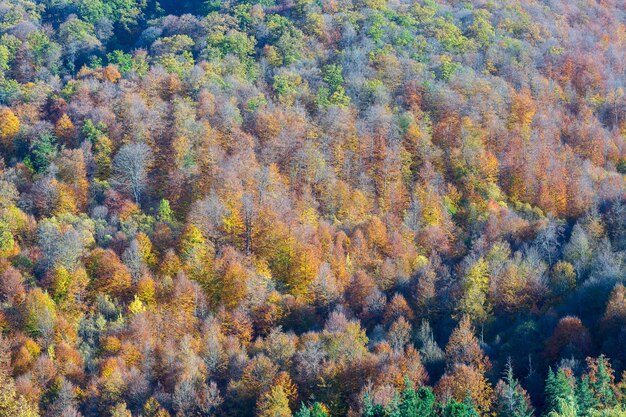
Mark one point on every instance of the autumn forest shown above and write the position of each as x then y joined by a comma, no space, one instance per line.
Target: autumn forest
313,208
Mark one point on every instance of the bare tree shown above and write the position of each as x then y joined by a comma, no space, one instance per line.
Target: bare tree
548,238
130,169
207,215
133,259
248,210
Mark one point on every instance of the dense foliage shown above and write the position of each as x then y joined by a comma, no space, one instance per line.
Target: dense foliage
312,208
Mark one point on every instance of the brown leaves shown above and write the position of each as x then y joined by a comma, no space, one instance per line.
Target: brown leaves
569,335
108,274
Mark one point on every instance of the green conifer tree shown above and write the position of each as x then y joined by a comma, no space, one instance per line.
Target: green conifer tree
316,410
558,388
602,386
418,403
584,397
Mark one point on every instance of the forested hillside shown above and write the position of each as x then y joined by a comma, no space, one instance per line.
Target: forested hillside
313,208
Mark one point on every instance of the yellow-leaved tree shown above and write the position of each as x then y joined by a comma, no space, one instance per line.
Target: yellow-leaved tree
474,302
13,404
274,403
65,130
9,125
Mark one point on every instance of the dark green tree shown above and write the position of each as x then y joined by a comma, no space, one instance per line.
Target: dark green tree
316,410
558,388
42,151
457,409
418,403
584,397
370,409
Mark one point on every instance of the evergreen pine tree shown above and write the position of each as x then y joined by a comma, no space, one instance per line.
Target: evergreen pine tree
393,408
550,391
470,409
511,399
409,403
304,411
584,397
456,409
368,406
564,408
558,388
316,410
370,409
602,385
418,403
426,402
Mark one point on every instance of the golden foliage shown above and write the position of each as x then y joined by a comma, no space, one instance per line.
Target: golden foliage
65,130
9,125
